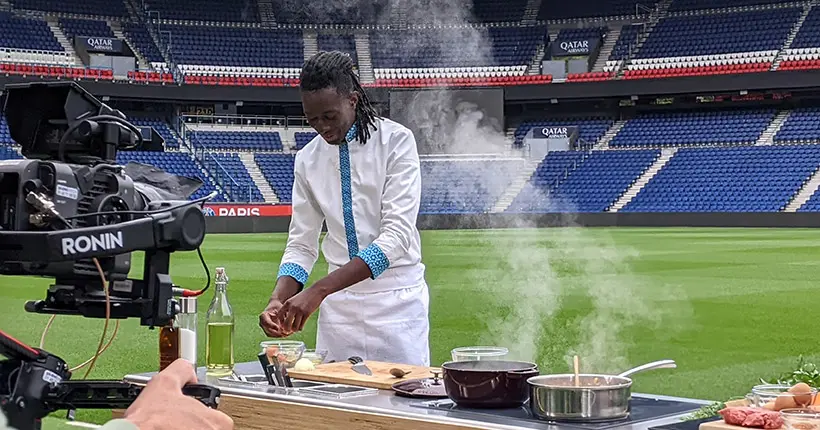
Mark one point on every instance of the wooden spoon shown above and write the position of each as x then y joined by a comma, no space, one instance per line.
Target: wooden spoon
576,367
398,373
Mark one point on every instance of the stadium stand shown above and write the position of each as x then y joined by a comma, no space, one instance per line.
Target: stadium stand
694,128
278,171
591,184
85,7
417,57
141,39
552,10
687,5
84,27
237,140
801,126
804,51
719,43
345,43
300,12
550,171
25,33
303,138
590,129
498,10
239,182
463,186
742,179
162,129
174,162
626,43
205,10
813,204
8,153
230,51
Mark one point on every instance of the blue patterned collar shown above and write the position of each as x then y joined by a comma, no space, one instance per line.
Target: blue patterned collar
351,134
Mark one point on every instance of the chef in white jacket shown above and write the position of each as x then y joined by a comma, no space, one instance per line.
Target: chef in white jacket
361,176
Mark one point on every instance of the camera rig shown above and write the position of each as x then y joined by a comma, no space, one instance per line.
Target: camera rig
70,213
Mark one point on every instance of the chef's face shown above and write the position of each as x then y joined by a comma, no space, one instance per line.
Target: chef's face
330,113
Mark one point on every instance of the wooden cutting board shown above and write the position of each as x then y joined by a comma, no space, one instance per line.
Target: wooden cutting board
341,373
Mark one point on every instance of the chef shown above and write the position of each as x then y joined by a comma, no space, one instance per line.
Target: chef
361,176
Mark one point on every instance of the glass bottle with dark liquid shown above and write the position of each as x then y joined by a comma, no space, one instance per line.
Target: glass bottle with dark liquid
168,345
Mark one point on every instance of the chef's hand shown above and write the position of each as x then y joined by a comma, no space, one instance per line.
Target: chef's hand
295,312
161,405
268,320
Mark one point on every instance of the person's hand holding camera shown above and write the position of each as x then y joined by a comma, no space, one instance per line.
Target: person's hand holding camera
161,405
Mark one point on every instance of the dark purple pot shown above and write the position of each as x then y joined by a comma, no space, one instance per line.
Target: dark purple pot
488,384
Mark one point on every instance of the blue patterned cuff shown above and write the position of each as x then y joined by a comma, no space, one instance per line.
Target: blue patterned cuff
295,271
375,259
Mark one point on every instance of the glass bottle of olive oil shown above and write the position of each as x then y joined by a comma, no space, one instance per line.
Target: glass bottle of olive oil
219,360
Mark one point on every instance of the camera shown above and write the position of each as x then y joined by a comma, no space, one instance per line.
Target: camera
68,207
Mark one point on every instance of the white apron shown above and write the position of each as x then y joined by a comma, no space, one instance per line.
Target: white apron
389,326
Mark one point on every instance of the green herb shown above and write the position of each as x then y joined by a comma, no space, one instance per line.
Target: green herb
804,372
707,411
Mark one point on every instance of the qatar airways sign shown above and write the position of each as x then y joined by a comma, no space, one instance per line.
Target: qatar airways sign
574,47
98,45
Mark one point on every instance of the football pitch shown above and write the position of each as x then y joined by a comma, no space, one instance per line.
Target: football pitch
731,306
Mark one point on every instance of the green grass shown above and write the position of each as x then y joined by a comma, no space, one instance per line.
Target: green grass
729,305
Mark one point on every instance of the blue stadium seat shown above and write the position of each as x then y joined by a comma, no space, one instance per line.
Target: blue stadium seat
237,140
237,181
801,126
559,9
590,129
694,128
84,27
142,41
682,5
627,41
177,163
84,7
575,181
303,138
741,179
9,153
205,10
693,35
161,128
809,34
305,12
345,43
812,205
464,187
5,136
278,170
25,33
234,46
428,48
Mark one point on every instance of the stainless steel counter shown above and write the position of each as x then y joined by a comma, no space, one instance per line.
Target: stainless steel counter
386,403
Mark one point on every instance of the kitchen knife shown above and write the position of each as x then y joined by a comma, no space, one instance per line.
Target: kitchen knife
362,368
359,366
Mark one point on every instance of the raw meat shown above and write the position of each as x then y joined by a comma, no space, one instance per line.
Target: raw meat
752,417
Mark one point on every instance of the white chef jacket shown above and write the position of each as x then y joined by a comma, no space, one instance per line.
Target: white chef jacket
369,196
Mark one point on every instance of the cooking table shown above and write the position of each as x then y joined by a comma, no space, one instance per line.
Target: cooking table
265,407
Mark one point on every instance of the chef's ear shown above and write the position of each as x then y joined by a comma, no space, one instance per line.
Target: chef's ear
354,99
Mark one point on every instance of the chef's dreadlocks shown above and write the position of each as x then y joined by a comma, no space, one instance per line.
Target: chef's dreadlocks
335,70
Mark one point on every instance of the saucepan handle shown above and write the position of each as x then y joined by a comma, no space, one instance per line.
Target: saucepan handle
523,374
661,364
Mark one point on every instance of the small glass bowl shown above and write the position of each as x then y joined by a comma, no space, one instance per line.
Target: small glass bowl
316,356
479,353
801,418
288,352
768,394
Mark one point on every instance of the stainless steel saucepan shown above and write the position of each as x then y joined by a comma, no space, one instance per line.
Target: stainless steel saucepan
593,398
